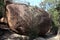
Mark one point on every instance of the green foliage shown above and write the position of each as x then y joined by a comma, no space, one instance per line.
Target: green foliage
53,7
55,16
55,11
1,7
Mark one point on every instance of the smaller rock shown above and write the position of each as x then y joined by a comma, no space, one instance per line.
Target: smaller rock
40,38
53,38
17,37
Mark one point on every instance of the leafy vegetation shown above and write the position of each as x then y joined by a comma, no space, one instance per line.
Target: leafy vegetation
1,8
53,7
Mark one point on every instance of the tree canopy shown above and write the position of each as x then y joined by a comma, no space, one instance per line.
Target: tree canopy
53,7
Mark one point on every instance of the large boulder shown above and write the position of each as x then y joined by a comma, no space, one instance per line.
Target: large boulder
27,20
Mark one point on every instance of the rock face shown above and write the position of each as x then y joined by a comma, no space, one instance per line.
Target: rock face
27,20
9,35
